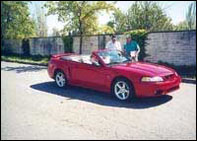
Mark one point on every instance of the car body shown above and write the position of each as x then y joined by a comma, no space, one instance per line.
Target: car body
145,79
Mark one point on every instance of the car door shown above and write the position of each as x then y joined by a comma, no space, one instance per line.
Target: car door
91,76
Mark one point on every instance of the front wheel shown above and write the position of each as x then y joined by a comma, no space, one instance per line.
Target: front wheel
60,79
122,89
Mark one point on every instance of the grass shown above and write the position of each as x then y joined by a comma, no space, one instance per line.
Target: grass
38,60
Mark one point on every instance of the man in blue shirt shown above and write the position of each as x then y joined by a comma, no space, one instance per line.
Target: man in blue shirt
132,48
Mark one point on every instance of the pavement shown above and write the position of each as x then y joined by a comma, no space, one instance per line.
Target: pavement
33,107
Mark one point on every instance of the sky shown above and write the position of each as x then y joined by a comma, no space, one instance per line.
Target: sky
176,10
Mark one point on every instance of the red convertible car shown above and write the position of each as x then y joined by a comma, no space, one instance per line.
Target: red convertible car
113,72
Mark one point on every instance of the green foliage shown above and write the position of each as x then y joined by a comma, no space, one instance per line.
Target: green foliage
34,59
119,21
142,15
68,43
15,20
181,26
25,47
5,50
148,15
139,36
105,29
80,16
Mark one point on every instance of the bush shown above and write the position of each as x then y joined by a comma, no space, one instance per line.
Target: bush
68,43
139,36
6,51
184,70
2,49
26,47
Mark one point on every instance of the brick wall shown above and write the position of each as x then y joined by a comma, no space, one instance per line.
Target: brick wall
37,46
46,46
13,46
177,48
89,44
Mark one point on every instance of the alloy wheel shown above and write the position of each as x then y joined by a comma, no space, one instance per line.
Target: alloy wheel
60,79
121,90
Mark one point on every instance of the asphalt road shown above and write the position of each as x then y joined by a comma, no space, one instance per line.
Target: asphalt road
33,107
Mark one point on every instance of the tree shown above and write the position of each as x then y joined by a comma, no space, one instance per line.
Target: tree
191,16
142,15
190,22
181,26
55,32
15,20
40,20
80,16
148,15
105,29
118,21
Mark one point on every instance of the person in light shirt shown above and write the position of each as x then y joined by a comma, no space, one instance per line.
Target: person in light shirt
114,44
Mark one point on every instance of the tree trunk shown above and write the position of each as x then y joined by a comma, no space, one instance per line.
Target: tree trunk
81,37
80,45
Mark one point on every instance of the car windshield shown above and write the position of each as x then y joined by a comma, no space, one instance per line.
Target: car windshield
111,57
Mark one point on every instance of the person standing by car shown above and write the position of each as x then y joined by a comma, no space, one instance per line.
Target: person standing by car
114,44
132,48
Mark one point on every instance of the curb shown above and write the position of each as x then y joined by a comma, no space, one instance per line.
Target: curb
188,80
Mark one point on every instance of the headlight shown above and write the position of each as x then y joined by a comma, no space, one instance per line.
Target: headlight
152,79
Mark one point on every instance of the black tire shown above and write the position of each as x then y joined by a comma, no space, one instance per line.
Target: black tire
131,93
60,84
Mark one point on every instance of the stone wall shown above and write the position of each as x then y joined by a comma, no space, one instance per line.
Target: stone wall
13,46
46,46
177,48
172,47
37,46
89,44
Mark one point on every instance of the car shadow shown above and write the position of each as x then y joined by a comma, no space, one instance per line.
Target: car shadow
24,68
72,92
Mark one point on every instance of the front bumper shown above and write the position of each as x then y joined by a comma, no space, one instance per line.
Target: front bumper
146,89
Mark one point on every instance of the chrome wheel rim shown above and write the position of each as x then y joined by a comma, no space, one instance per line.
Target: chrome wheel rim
121,90
60,79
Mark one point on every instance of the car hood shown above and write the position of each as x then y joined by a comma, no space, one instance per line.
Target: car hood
148,68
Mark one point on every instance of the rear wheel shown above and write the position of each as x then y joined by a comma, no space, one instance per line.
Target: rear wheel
122,89
60,79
